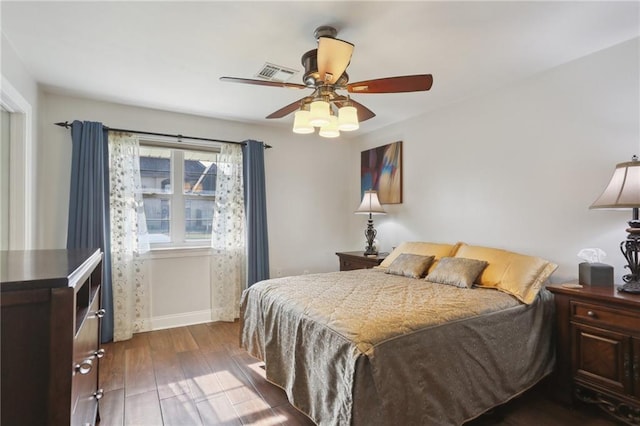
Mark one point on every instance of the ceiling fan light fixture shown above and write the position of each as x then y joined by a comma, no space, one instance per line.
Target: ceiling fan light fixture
319,113
301,123
325,71
348,119
330,130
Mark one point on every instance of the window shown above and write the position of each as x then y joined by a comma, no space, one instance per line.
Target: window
178,187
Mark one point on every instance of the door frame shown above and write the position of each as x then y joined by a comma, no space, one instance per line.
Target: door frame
22,172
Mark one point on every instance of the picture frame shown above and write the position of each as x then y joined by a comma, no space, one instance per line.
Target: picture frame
381,170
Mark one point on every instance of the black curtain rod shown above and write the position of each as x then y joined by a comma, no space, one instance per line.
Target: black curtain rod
67,125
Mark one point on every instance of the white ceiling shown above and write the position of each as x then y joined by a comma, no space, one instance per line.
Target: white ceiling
170,55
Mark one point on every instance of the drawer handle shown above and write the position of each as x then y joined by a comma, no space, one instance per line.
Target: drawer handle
592,314
98,394
100,313
84,367
99,353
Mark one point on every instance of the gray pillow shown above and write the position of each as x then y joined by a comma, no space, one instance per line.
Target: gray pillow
457,271
410,265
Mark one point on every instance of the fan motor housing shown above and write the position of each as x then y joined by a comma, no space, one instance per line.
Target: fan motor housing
325,31
310,63
311,76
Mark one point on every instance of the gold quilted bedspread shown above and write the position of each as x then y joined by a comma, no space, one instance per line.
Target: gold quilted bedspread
365,347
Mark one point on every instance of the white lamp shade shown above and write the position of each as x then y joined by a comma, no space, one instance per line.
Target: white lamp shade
319,113
330,130
370,204
623,190
348,118
301,123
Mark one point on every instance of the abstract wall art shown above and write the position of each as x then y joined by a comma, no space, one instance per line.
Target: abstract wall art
381,170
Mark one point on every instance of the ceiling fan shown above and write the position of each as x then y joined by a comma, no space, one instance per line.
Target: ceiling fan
325,74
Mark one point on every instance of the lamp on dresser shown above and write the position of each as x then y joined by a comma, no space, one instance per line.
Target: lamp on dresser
370,205
623,191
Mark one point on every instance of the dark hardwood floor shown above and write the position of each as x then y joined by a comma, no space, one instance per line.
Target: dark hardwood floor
197,375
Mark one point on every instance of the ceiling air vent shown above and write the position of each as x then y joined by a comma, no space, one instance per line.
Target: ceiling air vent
274,72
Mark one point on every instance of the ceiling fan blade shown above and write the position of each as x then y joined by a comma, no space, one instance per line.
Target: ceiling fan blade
334,56
407,83
263,82
364,113
286,110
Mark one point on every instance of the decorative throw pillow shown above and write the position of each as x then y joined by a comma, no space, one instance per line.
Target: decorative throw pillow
513,273
410,265
423,249
457,271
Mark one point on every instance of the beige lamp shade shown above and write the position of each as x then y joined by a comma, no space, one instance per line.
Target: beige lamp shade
330,130
319,113
370,204
301,123
623,190
348,119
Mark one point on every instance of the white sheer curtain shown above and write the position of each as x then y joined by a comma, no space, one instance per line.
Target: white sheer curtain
129,238
228,262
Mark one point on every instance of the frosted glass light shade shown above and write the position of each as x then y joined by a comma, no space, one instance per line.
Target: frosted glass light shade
623,190
348,118
301,123
319,113
330,130
370,204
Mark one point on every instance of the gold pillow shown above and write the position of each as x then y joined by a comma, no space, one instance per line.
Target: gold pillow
410,265
423,249
517,274
456,271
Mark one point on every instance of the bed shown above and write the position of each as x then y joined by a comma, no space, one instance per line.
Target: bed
369,347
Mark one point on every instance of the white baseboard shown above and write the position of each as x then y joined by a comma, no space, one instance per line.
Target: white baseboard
179,320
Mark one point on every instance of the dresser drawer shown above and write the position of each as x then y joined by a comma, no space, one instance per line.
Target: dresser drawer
84,404
594,314
602,357
351,264
351,260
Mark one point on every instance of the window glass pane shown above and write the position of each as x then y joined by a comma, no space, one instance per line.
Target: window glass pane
155,170
158,211
198,216
200,172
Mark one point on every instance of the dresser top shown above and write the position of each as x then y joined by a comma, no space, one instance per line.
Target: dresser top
604,293
360,254
34,269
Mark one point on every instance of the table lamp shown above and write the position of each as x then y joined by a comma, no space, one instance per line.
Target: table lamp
623,191
370,205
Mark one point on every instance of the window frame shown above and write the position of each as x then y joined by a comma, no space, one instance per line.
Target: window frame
177,196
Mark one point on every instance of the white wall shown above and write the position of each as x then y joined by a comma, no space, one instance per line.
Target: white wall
305,191
15,72
518,168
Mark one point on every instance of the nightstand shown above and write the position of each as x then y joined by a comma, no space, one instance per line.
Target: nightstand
350,260
598,348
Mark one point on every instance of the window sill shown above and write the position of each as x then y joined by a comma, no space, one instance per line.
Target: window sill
177,252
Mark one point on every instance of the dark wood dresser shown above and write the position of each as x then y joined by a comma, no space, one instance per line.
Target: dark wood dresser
50,324
350,260
598,348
